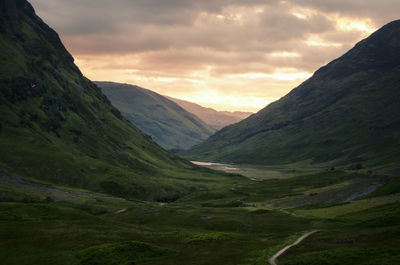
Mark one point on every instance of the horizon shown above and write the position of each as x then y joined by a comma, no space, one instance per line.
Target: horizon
225,55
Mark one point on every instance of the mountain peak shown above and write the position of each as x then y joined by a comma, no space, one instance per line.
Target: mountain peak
383,43
379,52
348,110
389,30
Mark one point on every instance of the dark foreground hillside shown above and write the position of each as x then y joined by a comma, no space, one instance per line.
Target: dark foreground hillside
57,126
348,111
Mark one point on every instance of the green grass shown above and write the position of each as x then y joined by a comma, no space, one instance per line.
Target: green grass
392,187
206,237
126,253
362,237
355,206
33,230
346,255
269,252
202,228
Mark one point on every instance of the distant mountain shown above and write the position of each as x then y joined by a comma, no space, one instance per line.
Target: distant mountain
169,124
58,127
348,111
214,118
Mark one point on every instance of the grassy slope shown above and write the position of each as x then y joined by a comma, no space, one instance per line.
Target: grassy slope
57,126
348,110
169,125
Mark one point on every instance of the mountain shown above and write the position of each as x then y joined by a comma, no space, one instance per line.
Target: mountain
168,124
216,119
57,127
348,111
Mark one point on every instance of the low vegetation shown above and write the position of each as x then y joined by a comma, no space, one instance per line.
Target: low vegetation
126,253
206,227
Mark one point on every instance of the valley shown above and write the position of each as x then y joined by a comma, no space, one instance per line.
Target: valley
86,178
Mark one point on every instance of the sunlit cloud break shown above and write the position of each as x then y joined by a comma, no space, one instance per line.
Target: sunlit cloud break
244,53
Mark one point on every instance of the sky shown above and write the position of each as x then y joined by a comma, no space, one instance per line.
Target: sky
237,55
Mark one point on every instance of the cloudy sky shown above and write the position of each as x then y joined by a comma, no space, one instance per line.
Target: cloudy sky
226,54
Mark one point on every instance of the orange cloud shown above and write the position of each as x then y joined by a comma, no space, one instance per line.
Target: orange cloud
227,54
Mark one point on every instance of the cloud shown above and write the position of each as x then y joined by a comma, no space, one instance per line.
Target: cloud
189,45
380,12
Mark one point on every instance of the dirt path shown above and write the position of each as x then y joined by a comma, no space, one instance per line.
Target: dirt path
272,260
121,211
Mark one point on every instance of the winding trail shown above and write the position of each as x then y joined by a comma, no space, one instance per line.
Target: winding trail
272,260
121,211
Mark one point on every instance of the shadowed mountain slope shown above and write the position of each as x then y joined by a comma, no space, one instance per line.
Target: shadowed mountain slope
168,124
348,111
58,127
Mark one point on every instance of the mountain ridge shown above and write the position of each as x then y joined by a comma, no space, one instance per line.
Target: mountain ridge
170,125
57,126
314,121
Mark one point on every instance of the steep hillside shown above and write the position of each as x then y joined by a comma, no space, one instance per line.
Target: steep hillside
347,111
216,119
168,124
58,127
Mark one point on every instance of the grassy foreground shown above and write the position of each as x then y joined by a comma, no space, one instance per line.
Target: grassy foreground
243,222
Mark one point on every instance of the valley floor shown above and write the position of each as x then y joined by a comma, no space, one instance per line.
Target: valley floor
245,222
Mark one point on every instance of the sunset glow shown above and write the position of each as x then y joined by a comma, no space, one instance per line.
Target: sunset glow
229,55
